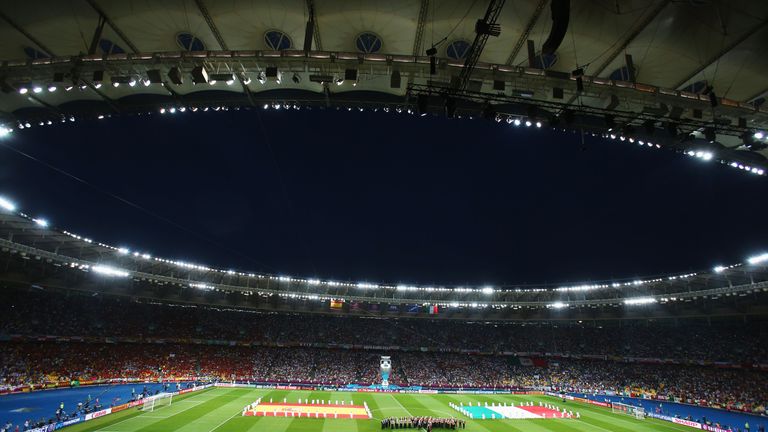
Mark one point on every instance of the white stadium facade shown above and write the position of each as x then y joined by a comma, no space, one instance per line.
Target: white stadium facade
686,76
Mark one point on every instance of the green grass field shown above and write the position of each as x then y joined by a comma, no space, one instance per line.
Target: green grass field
220,409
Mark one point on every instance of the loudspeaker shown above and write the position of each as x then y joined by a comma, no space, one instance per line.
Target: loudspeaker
174,74
199,75
394,80
154,76
561,11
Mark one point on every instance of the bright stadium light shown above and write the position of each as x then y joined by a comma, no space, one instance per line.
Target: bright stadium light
639,301
758,259
41,222
4,203
109,271
4,132
719,269
23,90
37,89
123,251
517,122
558,305
759,135
487,290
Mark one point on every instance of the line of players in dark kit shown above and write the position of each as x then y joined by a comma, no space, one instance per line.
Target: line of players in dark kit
422,423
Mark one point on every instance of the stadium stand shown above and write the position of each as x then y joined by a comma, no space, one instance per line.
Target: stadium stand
132,341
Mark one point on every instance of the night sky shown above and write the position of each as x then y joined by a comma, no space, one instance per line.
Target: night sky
378,197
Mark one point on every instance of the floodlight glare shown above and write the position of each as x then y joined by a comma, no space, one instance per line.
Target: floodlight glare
109,271
41,222
7,205
639,301
757,259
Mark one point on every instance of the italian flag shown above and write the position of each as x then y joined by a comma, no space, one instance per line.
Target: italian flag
528,361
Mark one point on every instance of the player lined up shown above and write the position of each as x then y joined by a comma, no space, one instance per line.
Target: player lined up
422,423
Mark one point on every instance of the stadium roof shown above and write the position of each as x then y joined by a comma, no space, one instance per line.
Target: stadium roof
685,56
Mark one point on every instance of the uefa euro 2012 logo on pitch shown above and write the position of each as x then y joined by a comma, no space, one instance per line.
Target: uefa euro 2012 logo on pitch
385,367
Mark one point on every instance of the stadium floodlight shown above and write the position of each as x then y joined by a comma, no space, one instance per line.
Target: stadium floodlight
7,205
4,132
41,222
719,269
517,122
538,124
639,301
758,259
558,305
123,250
23,90
759,135
528,123
109,271
487,290
37,89
52,88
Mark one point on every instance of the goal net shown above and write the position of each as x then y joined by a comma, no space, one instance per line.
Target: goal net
635,411
159,400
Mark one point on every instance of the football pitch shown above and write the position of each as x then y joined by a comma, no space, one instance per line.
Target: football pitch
221,409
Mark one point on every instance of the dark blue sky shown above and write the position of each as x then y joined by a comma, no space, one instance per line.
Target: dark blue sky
386,197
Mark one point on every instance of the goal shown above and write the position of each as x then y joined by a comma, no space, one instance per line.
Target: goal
635,411
159,400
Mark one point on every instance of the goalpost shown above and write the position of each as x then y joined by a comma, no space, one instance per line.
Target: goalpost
159,400
635,411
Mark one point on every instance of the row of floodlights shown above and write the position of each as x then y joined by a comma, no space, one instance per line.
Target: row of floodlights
199,74
9,206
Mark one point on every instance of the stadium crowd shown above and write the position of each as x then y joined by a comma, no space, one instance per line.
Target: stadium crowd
41,363
45,333
110,317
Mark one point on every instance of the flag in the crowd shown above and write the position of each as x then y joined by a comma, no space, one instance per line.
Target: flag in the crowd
394,308
528,361
373,307
414,308
354,306
432,309
337,304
